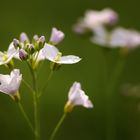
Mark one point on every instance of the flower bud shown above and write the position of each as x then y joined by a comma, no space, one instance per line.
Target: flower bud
41,41
16,43
31,49
35,38
23,54
24,38
56,36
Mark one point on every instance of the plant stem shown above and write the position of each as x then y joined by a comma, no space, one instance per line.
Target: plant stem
25,116
57,126
111,96
45,85
36,108
28,85
35,104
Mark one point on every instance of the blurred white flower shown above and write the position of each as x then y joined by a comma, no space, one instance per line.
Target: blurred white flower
51,53
101,36
77,96
56,36
9,84
93,18
6,57
121,37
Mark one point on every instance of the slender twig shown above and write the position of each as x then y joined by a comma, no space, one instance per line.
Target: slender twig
57,126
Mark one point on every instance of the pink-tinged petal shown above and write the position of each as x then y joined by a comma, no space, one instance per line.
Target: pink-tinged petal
9,84
56,36
77,96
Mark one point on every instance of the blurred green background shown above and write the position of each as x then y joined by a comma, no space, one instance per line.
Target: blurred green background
114,116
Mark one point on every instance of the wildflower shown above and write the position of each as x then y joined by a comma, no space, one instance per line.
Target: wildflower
101,36
51,53
6,57
93,18
56,36
77,96
9,84
121,37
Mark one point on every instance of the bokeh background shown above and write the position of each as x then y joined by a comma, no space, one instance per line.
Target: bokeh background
115,115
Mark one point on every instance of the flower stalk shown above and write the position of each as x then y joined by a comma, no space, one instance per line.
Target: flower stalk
58,126
25,116
35,104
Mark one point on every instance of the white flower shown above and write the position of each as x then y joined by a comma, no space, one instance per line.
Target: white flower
77,96
101,36
93,19
121,37
56,36
51,53
9,84
6,57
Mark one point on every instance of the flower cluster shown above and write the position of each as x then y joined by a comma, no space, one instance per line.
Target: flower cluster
33,52
96,21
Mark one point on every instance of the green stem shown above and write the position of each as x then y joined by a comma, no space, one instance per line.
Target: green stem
111,97
36,108
28,85
35,104
47,81
57,126
25,116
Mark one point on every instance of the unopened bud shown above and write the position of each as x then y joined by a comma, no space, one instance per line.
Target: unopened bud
31,49
23,54
56,36
35,38
16,43
41,42
24,38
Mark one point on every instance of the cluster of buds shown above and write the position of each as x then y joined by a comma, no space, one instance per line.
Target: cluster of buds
33,52
37,50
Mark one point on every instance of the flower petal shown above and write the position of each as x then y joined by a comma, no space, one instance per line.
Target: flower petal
9,84
50,52
12,52
69,59
77,96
